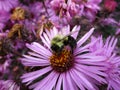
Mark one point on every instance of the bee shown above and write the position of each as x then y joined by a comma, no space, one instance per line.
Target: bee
59,43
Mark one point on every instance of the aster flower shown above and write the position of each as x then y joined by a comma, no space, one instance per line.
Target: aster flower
58,4
4,63
4,17
109,21
71,8
37,9
117,31
101,48
7,5
2,25
8,85
68,68
86,8
113,69
90,8
3,67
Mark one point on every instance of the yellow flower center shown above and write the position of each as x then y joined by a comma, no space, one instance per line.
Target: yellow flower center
63,61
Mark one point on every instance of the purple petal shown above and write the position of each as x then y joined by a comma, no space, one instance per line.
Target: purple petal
59,83
84,80
93,72
76,80
37,55
34,75
77,29
39,49
81,49
85,37
42,84
51,83
45,42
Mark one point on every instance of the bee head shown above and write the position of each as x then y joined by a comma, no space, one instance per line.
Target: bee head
69,40
57,44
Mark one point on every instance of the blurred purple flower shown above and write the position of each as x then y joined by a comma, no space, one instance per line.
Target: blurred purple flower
3,66
118,31
4,63
91,8
2,25
37,9
85,69
8,85
107,49
4,17
7,5
71,8
109,21
3,35
58,4
110,5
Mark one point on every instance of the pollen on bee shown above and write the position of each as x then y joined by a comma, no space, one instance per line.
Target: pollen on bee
63,61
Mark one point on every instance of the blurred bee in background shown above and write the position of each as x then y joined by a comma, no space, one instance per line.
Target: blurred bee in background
59,43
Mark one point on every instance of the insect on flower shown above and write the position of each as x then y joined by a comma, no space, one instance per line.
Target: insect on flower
58,43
